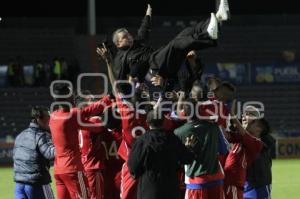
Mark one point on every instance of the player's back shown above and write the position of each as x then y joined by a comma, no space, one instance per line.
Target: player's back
113,163
207,147
64,130
133,125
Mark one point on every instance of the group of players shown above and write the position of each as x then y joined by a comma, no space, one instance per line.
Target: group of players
161,132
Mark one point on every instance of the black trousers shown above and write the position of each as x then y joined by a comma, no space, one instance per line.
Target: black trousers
168,59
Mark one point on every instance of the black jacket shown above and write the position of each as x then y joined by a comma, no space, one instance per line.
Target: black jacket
135,60
32,153
154,161
260,174
188,74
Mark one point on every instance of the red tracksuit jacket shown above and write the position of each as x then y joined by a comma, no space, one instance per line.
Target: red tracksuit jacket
64,128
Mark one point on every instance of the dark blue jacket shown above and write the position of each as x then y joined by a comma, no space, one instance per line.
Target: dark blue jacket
32,153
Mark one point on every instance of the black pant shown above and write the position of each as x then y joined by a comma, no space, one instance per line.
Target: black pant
168,59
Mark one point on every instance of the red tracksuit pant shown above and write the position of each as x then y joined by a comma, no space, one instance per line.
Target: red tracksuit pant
71,186
96,184
128,184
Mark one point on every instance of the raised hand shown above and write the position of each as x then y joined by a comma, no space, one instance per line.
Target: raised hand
191,55
191,141
149,10
157,80
104,53
180,94
233,110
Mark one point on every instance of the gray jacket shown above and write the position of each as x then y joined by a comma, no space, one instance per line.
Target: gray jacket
32,153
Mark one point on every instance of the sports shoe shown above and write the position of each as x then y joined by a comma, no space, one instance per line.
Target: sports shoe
212,28
223,11
226,4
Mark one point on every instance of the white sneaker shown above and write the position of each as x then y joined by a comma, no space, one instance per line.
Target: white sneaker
212,28
222,14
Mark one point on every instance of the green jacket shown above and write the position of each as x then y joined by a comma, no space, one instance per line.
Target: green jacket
206,147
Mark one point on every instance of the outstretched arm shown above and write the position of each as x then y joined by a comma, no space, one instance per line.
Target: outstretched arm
157,104
145,28
195,64
106,56
235,120
179,103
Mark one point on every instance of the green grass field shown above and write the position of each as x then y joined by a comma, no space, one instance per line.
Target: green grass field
286,180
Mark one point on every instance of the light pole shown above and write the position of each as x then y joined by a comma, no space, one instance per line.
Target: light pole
91,17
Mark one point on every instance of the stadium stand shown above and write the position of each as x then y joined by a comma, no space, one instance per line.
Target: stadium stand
33,44
281,103
258,39
15,107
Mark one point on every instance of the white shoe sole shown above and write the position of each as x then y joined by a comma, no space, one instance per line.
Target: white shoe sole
212,28
222,14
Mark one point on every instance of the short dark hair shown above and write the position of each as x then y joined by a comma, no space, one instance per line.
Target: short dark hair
38,112
204,90
109,119
138,94
124,87
189,108
155,119
229,86
61,89
227,89
211,81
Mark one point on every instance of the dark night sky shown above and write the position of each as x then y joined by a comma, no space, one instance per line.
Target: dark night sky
68,8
